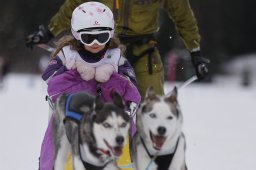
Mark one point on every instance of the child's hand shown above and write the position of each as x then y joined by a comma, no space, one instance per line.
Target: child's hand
86,72
104,72
132,109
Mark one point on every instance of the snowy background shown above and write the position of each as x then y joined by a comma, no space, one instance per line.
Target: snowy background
219,123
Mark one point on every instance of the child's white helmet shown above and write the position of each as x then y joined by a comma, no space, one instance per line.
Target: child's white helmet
91,15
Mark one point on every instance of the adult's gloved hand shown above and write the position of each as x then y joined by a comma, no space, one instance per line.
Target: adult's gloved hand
86,72
200,64
104,72
42,35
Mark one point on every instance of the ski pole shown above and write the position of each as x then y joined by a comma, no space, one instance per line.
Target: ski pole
184,84
187,82
46,47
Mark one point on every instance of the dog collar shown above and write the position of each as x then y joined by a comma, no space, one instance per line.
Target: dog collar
91,166
70,114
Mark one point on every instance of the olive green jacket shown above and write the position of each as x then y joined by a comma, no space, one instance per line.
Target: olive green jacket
138,17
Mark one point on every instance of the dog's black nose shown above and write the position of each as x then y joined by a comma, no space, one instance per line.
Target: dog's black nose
119,140
161,130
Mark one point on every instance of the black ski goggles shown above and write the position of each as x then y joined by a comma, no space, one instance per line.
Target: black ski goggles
90,37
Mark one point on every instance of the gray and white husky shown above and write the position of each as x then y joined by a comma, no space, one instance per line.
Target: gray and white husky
159,143
95,131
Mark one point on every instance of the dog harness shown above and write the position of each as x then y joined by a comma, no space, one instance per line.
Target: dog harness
93,167
71,115
164,161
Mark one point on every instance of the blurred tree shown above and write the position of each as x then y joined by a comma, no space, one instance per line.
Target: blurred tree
17,19
227,30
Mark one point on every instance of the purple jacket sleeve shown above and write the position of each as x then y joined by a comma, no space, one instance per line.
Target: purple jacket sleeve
54,68
127,70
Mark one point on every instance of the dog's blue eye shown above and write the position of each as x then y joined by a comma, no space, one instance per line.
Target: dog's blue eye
107,125
123,125
152,115
170,117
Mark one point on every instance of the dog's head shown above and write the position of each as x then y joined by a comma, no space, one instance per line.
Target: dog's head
159,118
109,125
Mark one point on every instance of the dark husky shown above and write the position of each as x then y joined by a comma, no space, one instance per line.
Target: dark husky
95,131
159,143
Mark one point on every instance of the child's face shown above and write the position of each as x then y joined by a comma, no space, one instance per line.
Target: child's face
95,48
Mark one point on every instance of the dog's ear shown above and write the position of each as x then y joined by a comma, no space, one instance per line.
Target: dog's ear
117,99
61,99
98,103
173,97
150,94
60,102
86,129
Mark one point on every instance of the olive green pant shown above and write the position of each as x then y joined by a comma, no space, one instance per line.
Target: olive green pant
144,78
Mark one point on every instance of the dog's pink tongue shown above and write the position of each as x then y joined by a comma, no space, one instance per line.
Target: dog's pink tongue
118,151
158,141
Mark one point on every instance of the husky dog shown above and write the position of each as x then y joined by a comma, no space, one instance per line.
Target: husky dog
95,131
159,143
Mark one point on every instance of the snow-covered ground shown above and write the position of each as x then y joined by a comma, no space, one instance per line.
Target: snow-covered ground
219,123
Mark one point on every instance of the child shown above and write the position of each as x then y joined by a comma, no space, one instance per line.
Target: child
89,61
92,58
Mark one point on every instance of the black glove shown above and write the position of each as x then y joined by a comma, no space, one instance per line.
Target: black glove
42,35
200,64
